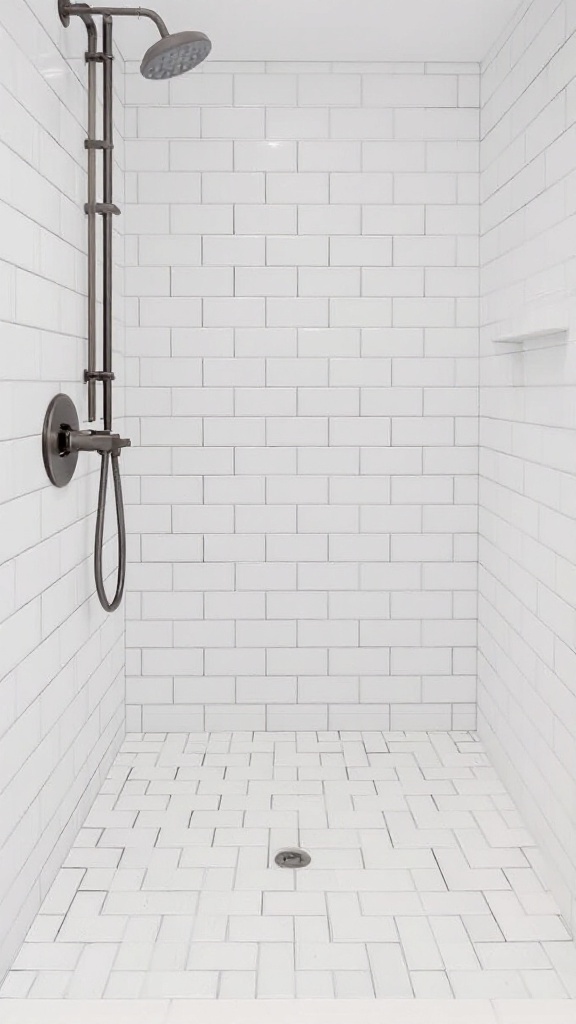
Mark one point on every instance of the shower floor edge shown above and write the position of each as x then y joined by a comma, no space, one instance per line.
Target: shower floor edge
290,1011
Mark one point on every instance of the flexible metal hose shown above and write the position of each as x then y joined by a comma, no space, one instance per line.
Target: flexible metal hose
110,606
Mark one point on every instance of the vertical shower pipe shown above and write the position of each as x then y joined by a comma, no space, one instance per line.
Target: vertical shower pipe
108,212
91,145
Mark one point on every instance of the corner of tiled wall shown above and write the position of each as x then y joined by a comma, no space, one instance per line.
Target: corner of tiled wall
61,657
527,585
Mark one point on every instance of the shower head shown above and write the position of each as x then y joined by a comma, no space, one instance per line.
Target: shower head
172,55
175,54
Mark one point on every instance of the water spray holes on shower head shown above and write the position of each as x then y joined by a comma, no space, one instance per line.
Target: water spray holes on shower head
293,858
175,54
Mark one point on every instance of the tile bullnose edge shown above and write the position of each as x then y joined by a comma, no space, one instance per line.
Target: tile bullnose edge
265,1011
333,1011
288,1011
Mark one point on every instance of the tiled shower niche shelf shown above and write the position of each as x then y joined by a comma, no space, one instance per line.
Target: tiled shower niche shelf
552,334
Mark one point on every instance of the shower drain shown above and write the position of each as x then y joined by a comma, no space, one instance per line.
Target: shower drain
293,858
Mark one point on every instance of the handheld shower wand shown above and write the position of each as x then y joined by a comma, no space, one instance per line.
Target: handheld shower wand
62,440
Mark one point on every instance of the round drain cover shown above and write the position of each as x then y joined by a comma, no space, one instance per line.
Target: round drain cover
293,858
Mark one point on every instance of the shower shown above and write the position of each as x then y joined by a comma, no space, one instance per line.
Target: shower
62,440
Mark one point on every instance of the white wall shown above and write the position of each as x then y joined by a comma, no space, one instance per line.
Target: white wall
348,30
302,266
61,658
527,672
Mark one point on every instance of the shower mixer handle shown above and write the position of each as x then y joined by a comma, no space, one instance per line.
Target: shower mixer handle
95,441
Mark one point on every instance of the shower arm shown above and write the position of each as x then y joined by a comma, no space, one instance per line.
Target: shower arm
85,11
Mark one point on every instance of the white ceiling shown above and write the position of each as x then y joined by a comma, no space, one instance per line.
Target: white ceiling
324,30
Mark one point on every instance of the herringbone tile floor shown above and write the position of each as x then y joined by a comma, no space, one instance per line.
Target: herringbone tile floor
423,882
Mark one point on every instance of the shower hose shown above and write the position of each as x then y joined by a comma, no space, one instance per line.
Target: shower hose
110,606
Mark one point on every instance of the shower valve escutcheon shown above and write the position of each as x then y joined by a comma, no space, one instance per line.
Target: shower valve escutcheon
62,440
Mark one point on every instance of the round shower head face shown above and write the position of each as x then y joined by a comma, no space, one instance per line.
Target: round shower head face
175,54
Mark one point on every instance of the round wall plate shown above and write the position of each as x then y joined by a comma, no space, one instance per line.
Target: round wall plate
64,17
60,416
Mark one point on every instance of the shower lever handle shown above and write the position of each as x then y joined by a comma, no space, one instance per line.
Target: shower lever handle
95,441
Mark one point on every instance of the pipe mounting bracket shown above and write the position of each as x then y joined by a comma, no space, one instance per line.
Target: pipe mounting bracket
101,375
104,209
97,144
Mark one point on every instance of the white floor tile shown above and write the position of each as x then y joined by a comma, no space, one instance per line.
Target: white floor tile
50,985
419,945
456,950
333,956
222,956
487,984
544,985
389,972
124,985
562,956
314,985
353,985
276,976
237,985
53,956
261,929
17,984
431,984
180,985
422,887
92,971
511,956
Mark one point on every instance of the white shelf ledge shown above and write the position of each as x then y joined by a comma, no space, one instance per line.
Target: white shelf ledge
542,334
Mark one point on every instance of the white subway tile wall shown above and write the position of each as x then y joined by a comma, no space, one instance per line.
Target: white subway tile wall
61,658
528,462
302,389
